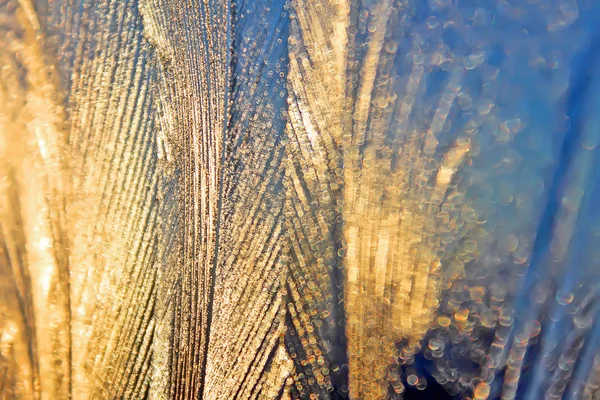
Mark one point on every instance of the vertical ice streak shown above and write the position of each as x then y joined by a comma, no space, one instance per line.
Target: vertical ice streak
221,85
351,164
192,85
106,151
396,182
35,337
115,206
315,335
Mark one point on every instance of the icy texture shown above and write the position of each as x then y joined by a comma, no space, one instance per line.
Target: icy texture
305,199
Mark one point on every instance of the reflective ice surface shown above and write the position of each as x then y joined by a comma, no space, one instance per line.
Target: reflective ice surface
304,199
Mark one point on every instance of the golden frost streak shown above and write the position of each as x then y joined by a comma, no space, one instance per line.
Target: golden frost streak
390,291
317,46
390,208
114,211
191,47
34,305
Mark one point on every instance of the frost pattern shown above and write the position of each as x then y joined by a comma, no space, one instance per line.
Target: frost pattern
299,199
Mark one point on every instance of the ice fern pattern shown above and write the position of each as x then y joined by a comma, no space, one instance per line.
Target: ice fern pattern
299,199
